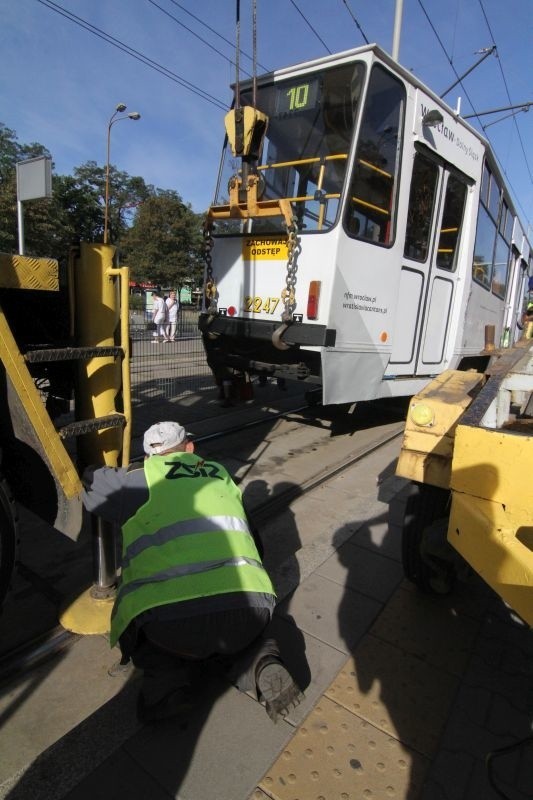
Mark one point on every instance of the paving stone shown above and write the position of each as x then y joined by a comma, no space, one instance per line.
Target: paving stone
429,627
335,754
61,766
258,794
216,752
45,704
395,692
336,615
363,571
118,778
449,777
311,662
500,779
460,765
505,643
482,687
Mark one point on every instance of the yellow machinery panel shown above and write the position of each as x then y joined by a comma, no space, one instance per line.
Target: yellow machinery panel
27,272
470,433
32,424
491,520
427,448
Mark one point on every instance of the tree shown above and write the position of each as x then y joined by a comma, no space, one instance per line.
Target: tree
126,193
159,233
10,153
164,244
51,225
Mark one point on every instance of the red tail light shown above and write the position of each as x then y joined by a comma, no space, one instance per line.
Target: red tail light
312,299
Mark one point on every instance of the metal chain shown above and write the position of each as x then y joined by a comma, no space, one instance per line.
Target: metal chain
210,287
288,295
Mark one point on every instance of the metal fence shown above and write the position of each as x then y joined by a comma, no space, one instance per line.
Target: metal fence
167,370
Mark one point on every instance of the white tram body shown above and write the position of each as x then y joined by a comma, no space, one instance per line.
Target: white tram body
408,245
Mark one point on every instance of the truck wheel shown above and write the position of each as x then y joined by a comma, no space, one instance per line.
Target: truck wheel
425,549
8,537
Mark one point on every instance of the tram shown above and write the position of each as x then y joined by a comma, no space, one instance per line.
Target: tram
362,238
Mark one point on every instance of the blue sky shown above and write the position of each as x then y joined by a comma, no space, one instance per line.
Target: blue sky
60,84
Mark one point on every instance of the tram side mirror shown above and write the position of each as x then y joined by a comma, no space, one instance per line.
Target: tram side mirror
432,118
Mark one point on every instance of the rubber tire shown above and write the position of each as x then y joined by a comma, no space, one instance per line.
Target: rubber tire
8,538
425,505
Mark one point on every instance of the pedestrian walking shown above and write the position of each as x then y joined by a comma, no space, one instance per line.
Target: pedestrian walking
159,312
172,316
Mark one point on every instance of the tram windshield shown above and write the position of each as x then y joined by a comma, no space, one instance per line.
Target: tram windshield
305,153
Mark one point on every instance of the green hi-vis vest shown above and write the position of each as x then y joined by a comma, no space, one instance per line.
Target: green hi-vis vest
190,540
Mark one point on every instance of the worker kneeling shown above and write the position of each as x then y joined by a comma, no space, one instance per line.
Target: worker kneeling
192,583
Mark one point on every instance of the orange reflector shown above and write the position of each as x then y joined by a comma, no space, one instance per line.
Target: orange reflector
312,299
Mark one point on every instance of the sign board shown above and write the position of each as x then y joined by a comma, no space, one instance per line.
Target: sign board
265,249
34,178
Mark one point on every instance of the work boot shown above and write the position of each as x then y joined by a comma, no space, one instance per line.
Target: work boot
173,704
276,688
120,668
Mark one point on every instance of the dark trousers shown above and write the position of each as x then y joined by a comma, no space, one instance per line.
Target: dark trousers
167,649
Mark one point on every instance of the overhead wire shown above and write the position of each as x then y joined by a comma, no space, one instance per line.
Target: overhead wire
355,20
216,33
204,41
149,62
152,64
320,39
507,92
467,96
448,57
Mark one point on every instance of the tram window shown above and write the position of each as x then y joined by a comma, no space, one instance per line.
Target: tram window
506,222
494,198
420,211
501,267
452,220
509,225
483,249
370,209
503,217
485,185
305,153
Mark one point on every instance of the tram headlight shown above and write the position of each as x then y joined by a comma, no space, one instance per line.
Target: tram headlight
422,415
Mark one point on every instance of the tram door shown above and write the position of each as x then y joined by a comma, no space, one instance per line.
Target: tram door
429,267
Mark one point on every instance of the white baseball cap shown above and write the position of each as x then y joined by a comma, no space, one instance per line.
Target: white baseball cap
163,436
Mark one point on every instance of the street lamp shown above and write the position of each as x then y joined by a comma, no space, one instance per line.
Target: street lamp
114,118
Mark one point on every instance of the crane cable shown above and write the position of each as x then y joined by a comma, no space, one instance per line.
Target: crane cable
254,53
237,49
237,52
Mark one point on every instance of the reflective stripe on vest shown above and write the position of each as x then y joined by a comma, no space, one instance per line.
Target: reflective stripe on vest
188,569
186,527
175,549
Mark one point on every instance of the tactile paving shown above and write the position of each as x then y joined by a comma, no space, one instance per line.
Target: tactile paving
396,692
336,755
259,795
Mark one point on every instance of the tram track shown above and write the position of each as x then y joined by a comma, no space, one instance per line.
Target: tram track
29,655
272,507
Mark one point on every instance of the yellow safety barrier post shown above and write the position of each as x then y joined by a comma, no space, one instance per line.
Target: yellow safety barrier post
102,395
